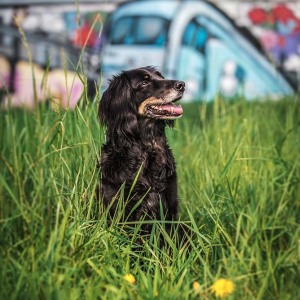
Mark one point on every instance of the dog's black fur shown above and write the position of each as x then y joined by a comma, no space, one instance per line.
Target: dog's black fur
136,108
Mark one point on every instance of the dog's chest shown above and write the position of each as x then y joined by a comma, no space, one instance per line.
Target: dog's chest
159,166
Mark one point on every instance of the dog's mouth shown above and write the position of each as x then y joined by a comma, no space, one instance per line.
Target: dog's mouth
165,110
159,109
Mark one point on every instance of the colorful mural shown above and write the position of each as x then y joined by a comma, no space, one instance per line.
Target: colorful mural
61,40
190,40
280,35
276,25
58,87
76,28
197,43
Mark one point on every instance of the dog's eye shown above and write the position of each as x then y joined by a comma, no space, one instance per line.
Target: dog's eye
145,82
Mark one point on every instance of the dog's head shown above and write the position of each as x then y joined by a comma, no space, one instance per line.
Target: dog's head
155,96
138,94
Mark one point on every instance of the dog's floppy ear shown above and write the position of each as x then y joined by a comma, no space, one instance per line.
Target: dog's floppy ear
118,110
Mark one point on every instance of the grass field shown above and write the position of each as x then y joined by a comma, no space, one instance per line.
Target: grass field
238,167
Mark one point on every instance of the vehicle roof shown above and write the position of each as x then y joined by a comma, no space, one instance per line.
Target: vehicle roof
166,9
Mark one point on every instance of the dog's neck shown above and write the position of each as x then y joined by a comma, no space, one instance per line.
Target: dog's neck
152,133
149,133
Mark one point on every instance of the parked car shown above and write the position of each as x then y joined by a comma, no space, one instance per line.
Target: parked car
191,41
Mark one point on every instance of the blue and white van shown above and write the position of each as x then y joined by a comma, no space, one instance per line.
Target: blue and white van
191,41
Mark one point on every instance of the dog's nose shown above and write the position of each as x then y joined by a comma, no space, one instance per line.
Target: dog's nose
179,86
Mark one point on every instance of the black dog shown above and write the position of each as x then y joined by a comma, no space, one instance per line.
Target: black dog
136,161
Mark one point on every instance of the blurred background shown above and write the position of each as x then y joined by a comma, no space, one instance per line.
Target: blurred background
59,50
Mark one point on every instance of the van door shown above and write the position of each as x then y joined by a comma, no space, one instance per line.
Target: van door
192,62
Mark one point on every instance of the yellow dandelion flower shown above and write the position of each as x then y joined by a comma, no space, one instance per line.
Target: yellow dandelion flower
196,286
222,287
130,278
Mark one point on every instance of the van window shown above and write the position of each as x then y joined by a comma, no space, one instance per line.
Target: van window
143,30
122,31
195,36
189,34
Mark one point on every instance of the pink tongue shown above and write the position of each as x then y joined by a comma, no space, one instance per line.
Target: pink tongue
172,109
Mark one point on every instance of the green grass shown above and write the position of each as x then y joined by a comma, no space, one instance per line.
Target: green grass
238,167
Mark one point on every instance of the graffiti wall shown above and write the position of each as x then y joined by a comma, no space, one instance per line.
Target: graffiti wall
275,24
61,41
77,26
32,84
196,42
189,40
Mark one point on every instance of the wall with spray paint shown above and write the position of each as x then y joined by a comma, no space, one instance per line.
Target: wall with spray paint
58,43
56,36
197,43
276,25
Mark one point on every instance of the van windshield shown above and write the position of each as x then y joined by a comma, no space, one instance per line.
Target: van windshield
142,30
